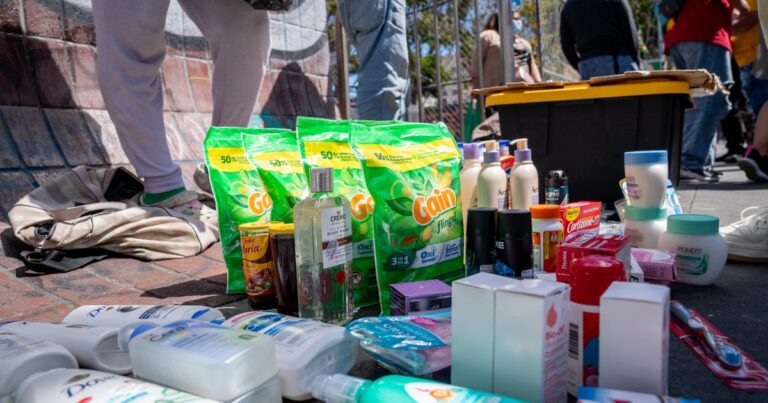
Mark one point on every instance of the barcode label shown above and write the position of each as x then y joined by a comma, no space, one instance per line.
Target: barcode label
573,341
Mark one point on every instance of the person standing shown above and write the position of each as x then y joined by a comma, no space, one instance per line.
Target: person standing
377,30
130,42
700,39
599,37
746,40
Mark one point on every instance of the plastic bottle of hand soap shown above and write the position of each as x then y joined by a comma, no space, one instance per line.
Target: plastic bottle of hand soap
94,346
121,315
22,357
305,348
395,388
201,358
468,177
524,179
491,182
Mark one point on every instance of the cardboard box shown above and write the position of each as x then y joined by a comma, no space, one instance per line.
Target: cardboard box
531,342
636,274
634,337
658,265
419,297
580,218
586,244
472,324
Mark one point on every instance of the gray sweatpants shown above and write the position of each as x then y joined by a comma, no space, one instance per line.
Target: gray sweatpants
130,38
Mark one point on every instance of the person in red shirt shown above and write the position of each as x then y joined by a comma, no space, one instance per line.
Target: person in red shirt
700,38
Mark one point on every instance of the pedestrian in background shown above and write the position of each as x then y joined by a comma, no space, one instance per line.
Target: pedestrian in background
599,37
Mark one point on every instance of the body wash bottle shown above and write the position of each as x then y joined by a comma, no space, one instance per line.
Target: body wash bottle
324,252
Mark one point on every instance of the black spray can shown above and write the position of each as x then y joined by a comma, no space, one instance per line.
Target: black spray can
556,188
481,232
514,249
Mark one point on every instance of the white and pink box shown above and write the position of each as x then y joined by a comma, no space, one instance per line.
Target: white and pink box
531,341
634,337
658,265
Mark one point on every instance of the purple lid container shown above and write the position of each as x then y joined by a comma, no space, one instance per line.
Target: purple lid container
422,288
471,151
490,157
523,155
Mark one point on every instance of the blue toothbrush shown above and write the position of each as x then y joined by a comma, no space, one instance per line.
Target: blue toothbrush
729,356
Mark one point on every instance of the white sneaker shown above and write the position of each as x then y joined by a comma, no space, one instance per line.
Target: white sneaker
748,238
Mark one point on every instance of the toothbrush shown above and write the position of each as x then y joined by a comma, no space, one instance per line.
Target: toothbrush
728,356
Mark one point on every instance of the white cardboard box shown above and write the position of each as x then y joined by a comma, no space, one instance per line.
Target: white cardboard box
472,323
634,337
531,342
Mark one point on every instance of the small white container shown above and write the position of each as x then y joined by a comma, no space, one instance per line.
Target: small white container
644,225
305,348
121,315
203,359
701,251
646,174
94,346
21,357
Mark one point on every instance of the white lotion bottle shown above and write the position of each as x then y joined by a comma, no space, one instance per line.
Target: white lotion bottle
305,348
523,179
93,346
468,177
22,357
646,175
491,182
202,358
121,315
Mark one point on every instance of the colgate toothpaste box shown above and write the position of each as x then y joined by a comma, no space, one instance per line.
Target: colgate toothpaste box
580,218
587,244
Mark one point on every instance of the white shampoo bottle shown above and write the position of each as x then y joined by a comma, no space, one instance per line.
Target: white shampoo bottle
524,179
491,182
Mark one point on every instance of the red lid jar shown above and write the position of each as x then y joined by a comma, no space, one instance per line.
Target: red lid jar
592,275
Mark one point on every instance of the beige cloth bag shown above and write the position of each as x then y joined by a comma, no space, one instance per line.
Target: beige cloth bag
72,213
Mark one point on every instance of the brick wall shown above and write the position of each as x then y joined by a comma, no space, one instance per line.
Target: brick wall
52,115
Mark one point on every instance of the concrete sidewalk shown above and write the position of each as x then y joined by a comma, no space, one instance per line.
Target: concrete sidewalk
735,303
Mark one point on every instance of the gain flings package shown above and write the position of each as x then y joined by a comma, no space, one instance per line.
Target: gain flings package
412,172
325,144
276,157
239,194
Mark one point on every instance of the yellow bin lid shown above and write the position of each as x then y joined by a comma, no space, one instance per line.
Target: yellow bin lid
584,90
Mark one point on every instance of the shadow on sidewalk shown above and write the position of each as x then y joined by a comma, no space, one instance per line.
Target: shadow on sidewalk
210,293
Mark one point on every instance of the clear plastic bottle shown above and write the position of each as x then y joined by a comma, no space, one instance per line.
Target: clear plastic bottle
323,224
201,358
121,315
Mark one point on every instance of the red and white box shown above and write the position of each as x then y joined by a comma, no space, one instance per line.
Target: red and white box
580,218
587,244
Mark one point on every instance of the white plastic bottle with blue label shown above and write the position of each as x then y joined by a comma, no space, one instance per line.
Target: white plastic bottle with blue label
201,358
121,315
21,357
93,346
305,348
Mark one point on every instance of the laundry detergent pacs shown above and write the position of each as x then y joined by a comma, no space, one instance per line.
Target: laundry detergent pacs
240,196
276,156
412,172
325,144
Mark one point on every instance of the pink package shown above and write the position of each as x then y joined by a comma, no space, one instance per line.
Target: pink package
657,265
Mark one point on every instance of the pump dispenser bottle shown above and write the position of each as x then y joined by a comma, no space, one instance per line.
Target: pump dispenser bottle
468,177
524,179
491,182
323,223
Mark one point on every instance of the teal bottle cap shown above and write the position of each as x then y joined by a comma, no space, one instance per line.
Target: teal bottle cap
693,224
635,213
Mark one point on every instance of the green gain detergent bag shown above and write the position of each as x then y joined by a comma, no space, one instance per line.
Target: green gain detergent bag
239,194
412,172
276,157
325,144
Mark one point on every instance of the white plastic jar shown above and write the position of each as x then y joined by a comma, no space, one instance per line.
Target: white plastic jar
547,231
644,225
646,174
701,251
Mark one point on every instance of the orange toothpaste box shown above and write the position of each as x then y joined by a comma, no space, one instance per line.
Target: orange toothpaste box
580,218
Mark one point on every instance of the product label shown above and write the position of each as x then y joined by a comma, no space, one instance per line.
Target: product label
155,312
534,195
336,236
100,387
545,245
555,349
294,337
693,261
501,201
228,159
433,392
580,218
552,195
583,347
200,338
257,264
633,188
436,253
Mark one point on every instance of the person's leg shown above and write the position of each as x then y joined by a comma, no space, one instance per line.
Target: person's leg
377,30
625,64
131,48
239,41
596,66
701,121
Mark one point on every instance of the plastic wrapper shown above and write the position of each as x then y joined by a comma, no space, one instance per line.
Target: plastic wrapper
409,345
